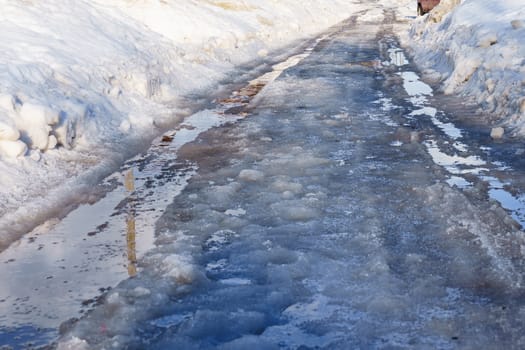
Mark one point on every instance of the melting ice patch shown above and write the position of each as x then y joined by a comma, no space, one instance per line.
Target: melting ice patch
385,103
235,281
459,182
219,239
460,146
474,165
170,321
515,205
235,212
430,111
216,265
456,164
448,128
418,91
415,88
292,61
396,143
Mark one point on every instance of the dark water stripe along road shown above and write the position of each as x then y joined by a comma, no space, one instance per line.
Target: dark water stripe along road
322,221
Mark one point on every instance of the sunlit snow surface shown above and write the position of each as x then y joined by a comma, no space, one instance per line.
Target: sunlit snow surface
322,221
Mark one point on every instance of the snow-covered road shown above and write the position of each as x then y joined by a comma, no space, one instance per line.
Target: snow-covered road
340,207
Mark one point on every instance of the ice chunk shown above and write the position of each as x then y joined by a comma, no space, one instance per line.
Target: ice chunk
517,24
249,342
65,133
386,305
414,86
222,194
235,212
218,239
497,133
39,113
113,298
125,126
12,149
140,120
35,155
522,106
52,142
236,281
141,292
295,210
216,265
179,268
35,124
66,129
294,165
262,53
307,161
287,195
396,143
285,186
8,130
73,344
209,323
167,92
250,175
487,40
169,321
37,136
7,102
490,84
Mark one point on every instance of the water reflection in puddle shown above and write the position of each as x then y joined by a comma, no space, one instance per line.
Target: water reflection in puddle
397,57
57,271
131,231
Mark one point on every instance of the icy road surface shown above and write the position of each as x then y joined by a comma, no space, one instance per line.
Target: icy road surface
346,211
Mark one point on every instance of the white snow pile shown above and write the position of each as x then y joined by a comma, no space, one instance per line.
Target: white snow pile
476,48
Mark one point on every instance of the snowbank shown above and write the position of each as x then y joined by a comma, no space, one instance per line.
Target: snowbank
476,48
85,84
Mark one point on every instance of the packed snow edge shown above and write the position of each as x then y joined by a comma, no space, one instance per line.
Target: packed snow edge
475,48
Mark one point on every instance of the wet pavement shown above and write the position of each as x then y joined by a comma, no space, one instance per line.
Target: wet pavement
331,204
